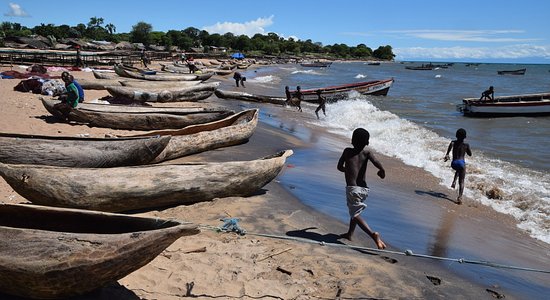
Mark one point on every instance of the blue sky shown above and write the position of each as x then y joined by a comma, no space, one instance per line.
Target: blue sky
457,30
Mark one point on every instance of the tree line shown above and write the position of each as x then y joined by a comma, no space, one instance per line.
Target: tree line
191,37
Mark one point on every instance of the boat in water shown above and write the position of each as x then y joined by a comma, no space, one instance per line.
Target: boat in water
507,106
512,72
316,64
339,92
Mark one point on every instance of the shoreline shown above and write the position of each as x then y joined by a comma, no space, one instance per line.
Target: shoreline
316,271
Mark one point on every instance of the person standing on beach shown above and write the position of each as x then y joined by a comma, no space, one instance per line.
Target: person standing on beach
458,163
144,58
322,101
353,162
78,57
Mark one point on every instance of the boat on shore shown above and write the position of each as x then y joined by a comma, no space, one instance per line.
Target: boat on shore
512,72
222,94
137,121
507,106
141,187
48,252
339,92
233,130
79,152
164,94
161,77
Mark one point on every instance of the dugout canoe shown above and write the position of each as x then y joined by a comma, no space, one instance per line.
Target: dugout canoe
98,84
526,105
48,252
339,92
249,97
169,94
184,109
158,84
79,152
141,187
161,77
233,130
137,120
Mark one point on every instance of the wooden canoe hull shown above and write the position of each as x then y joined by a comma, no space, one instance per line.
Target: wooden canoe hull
340,92
50,252
249,97
191,93
164,77
508,106
138,121
233,130
143,187
159,84
190,107
98,84
79,152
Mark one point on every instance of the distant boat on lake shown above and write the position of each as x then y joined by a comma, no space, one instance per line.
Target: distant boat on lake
316,64
513,72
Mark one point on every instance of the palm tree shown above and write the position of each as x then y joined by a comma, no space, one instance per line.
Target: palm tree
111,28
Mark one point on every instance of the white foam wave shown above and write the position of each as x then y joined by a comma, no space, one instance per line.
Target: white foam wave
310,72
265,79
358,76
525,193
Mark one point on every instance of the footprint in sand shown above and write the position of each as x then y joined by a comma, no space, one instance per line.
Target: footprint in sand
389,259
434,280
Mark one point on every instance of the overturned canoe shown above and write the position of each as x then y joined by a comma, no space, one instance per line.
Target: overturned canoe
106,75
171,94
98,84
189,107
249,97
79,152
233,130
161,77
48,252
158,84
139,120
142,187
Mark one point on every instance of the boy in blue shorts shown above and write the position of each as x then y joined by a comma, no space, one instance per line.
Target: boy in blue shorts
458,163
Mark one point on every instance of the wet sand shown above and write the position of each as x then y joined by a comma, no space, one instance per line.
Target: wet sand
241,266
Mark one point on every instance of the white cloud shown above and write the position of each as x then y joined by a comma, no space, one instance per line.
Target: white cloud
504,52
464,35
249,28
16,11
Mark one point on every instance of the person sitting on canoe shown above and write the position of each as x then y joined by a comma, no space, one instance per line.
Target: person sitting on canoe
72,97
322,101
64,75
488,95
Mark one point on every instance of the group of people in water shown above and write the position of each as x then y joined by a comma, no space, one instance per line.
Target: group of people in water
295,99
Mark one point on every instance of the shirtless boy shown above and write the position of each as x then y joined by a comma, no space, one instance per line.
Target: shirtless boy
458,163
353,163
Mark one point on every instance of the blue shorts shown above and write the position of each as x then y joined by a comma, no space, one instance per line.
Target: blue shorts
458,165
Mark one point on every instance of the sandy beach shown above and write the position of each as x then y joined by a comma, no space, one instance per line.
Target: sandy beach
254,266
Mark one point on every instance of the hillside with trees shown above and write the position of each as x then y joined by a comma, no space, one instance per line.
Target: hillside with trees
191,37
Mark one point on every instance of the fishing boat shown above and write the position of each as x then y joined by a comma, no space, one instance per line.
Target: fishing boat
158,84
164,94
161,77
137,121
141,187
339,92
507,106
420,68
512,72
79,152
97,84
233,130
48,252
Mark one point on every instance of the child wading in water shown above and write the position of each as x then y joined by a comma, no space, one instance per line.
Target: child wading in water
353,163
458,163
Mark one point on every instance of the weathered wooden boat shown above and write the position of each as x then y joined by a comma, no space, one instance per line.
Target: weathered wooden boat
420,68
158,84
373,63
316,64
249,97
137,120
142,187
79,152
105,75
48,252
233,130
164,77
507,106
512,72
169,94
99,84
339,92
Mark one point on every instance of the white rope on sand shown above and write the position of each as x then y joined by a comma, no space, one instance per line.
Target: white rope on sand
407,252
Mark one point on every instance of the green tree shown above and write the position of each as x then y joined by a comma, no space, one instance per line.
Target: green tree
141,33
384,52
